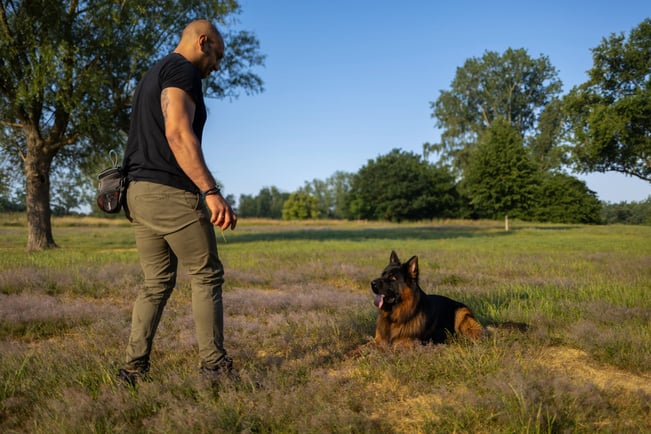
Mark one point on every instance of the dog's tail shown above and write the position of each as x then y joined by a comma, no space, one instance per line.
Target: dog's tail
466,325
507,325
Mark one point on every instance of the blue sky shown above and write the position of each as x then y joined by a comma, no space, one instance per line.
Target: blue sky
348,81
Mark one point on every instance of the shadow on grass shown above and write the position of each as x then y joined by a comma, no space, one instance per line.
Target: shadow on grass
555,228
356,234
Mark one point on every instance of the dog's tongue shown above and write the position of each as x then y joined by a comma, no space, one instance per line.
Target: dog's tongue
379,300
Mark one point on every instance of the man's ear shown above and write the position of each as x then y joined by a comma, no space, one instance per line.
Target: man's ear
203,44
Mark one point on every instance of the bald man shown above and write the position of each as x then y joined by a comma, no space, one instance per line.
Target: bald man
174,202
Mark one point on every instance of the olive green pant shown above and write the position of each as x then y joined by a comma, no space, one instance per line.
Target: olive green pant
172,226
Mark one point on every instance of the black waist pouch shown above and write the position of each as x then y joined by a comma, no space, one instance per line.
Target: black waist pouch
112,188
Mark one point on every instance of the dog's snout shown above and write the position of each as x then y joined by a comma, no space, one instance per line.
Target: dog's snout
374,285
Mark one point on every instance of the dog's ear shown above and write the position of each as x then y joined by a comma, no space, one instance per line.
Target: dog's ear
393,259
412,267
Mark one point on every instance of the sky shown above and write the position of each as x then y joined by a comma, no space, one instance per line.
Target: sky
347,81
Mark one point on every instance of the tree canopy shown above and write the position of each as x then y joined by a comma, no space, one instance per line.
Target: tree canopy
301,206
561,198
510,86
610,114
401,186
68,73
500,177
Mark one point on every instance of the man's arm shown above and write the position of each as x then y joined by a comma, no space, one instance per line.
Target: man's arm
178,112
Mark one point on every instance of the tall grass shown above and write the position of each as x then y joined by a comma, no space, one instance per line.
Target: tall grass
299,319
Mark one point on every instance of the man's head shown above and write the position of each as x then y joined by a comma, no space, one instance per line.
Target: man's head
202,44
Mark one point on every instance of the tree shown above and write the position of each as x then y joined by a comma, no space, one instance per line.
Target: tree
610,114
301,206
401,186
500,178
267,204
330,194
511,86
318,190
561,198
68,73
339,188
547,149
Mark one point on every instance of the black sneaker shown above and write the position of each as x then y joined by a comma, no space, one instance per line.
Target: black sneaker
223,370
132,376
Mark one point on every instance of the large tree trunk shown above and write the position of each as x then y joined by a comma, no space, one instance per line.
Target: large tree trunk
37,178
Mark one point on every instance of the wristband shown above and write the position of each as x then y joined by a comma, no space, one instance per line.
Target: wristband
213,190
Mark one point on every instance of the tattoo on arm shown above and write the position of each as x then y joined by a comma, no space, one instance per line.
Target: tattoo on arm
164,102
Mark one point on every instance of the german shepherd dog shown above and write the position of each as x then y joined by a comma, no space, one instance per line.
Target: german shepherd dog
407,315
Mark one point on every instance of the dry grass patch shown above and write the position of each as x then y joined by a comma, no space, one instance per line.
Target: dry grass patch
578,366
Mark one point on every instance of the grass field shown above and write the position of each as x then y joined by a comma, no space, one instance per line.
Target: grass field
299,318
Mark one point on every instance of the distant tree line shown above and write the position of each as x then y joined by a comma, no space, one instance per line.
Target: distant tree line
632,213
402,186
270,202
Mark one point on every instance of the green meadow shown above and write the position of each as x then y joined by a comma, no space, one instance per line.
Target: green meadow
299,324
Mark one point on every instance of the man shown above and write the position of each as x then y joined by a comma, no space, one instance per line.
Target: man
173,200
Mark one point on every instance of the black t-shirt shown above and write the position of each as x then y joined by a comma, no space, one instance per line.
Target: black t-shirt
148,156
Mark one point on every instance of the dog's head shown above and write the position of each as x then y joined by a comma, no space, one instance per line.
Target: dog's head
396,278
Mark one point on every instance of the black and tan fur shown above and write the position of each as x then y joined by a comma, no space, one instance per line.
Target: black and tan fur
408,315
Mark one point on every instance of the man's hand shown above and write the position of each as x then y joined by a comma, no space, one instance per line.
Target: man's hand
222,214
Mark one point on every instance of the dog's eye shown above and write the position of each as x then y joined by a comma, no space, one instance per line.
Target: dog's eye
393,278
